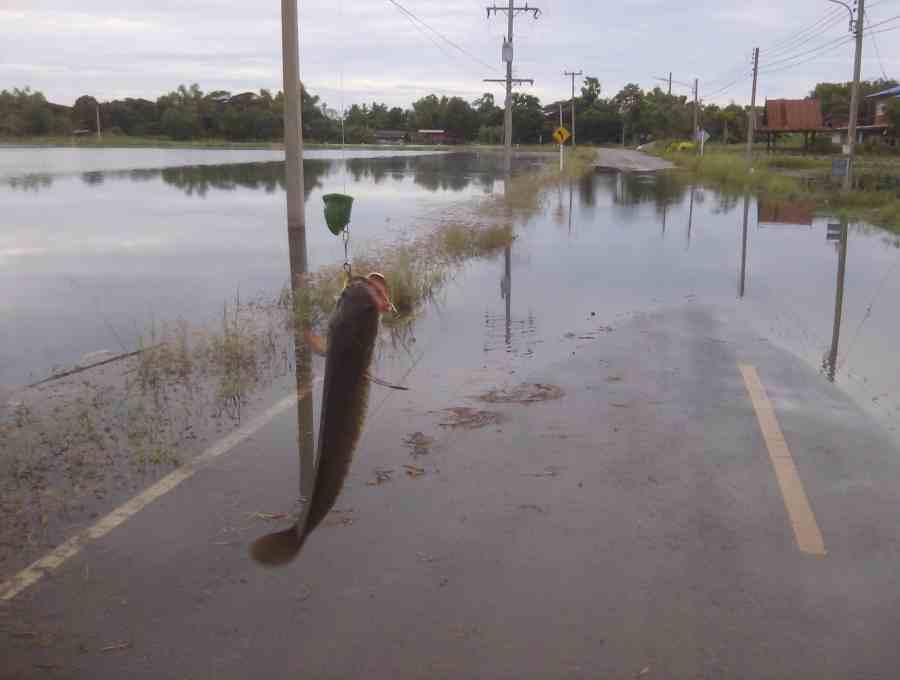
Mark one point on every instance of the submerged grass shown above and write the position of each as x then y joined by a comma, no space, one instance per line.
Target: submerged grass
876,200
71,441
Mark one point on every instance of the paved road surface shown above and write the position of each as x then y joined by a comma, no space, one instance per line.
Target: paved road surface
633,528
625,159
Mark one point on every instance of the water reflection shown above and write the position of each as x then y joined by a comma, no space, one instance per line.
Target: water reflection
784,213
830,362
437,172
742,286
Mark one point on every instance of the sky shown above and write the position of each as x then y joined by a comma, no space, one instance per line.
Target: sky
356,51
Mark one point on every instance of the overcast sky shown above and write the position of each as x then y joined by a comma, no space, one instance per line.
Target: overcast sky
119,48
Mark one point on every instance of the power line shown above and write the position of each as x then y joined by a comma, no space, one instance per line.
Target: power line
412,17
817,49
886,21
786,67
787,51
877,51
830,18
729,86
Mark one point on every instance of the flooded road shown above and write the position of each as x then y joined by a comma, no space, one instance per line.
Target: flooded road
619,455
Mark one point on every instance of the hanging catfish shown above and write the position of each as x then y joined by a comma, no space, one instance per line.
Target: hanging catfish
345,392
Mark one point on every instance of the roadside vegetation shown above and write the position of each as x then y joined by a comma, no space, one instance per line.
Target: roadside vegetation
875,197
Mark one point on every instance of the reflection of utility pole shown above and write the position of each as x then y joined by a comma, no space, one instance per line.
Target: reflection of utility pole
690,217
742,287
507,53
751,120
570,207
573,74
506,290
665,210
831,361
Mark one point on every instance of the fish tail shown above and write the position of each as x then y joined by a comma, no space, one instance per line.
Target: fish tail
278,548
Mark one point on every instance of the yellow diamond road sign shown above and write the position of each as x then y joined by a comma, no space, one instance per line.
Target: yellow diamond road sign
560,134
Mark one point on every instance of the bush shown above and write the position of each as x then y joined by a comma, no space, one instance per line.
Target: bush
824,145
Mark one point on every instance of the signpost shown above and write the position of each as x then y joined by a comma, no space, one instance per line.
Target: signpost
839,167
702,136
560,135
835,232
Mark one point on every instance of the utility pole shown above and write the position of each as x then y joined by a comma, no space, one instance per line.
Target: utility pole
854,93
99,135
507,53
573,74
670,83
561,146
293,130
696,108
751,119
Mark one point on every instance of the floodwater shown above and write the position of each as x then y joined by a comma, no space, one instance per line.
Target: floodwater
97,246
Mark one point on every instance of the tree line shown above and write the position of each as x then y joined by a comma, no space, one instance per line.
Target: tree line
188,113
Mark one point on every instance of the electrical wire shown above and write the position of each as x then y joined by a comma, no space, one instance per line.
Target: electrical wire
788,40
413,18
814,50
787,67
885,21
877,51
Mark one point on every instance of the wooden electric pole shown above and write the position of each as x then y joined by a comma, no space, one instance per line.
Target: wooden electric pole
507,53
854,93
751,119
573,74
293,127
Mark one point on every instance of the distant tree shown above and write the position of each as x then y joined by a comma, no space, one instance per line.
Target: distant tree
528,118
590,91
84,113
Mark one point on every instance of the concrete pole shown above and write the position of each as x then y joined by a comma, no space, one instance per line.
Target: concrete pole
561,146
696,108
573,74
99,135
854,96
507,116
751,121
670,83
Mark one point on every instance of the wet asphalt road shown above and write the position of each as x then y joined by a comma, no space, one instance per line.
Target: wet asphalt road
633,528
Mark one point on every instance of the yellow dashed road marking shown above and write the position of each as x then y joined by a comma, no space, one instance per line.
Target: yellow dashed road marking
806,530
55,558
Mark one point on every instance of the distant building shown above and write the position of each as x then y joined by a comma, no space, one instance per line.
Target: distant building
788,116
881,101
391,137
433,137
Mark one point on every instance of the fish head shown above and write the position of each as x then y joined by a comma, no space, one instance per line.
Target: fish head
379,291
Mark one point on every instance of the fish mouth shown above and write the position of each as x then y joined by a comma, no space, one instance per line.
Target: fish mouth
378,284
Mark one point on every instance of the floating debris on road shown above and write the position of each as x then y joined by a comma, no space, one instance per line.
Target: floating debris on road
419,442
469,418
526,393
